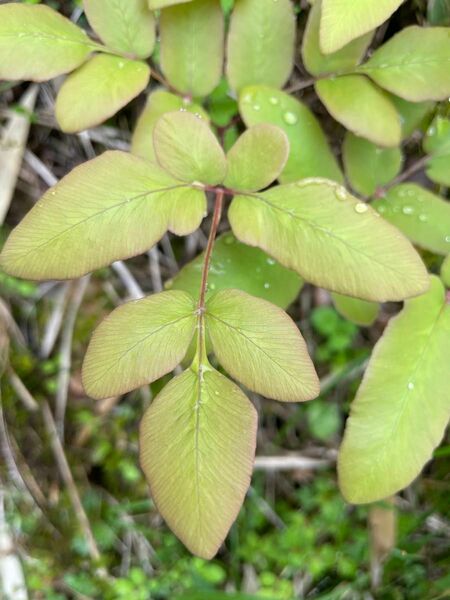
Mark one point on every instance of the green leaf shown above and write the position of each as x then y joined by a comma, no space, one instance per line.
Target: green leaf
257,158
126,26
197,444
368,166
157,4
333,240
192,45
158,104
344,20
422,216
260,47
222,106
138,343
318,63
260,346
97,90
188,149
437,144
414,64
412,114
310,154
109,208
37,43
356,310
445,271
353,100
401,409
236,265
438,12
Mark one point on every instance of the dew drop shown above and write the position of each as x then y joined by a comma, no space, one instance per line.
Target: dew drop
267,285
229,240
447,239
408,210
340,193
273,100
256,107
290,118
53,193
410,385
247,98
381,208
121,64
361,208
423,218
431,130
271,261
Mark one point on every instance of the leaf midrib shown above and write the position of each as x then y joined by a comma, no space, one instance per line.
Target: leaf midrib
328,232
99,214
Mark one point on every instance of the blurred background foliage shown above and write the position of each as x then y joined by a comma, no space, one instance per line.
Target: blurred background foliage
295,536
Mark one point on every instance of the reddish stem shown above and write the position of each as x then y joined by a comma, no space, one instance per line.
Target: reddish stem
218,204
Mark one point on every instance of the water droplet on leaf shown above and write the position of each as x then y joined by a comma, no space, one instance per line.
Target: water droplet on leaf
361,208
290,118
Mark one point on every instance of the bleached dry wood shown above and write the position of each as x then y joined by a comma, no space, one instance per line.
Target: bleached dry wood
12,146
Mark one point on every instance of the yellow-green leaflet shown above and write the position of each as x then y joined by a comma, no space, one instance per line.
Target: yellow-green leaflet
38,43
187,148
97,90
318,63
414,64
192,46
110,208
257,158
260,47
345,20
368,166
401,410
260,346
236,265
158,104
197,445
353,100
125,26
333,240
138,343
356,310
310,154
421,215
156,4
